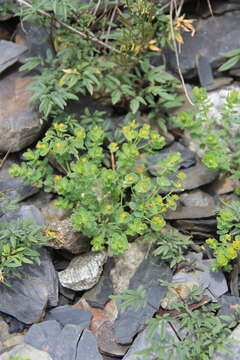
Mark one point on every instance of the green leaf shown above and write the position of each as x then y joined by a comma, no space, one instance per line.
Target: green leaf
229,64
134,105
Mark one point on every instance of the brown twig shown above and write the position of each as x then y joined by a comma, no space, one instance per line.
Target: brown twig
5,158
113,161
176,54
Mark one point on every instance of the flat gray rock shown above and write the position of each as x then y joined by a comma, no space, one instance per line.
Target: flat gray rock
87,347
142,342
188,157
20,124
9,53
25,212
190,212
148,274
68,341
211,39
26,351
197,198
44,336
68,314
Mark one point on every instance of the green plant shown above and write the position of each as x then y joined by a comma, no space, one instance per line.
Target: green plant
190,335
107,187
107,57
19,243
226,248
216,137
18,357
233,58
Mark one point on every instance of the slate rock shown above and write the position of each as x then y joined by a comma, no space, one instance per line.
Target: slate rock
204,71
190,212
223,185
197,176
10,53
25,212
67,238
196,225
46,272
222,6
142,342
98,296
188,157
15,326
68,340
83,272
26,351
44,336
229,305
20,124
87,347
197,198
106,341
234,347
213,284
129,322
25,300
70,315
211,39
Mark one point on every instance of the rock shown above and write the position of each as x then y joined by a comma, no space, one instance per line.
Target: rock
15,326
221,7
20,125
105,337
44,336
10,53
4,33
218,98
98,296
83,272
204,71
4,333
47,273
219,83
142,342
190,212
67,343
13,340
197,198
188,157
26,299
195,225
127,264
230,306
234,347
197,176
36,38
26,351
148,274
51,213
70,315
235,73
25,212
14,188
211,39
87,346
223,185
66,238
213,284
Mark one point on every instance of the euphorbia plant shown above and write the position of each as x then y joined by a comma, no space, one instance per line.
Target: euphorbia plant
106,186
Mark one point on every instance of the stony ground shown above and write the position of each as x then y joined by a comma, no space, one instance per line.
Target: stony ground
61,309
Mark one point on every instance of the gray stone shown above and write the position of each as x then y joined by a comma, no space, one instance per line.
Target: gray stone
10,53
44,336
188,157
197,176
222,6
20,124
229,305
13,340
46,272
213,284
83,272
25,212
204,71
233,346
129,322
190,212
197,198
142,342
26,351
26,299
213,37
98,296
68,340
195,225
87,346
70,315
219,83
